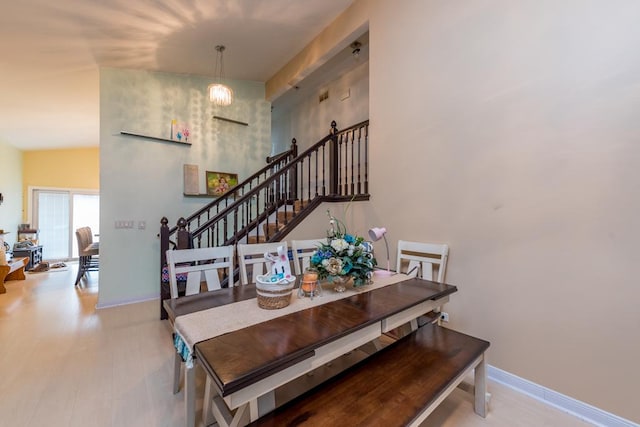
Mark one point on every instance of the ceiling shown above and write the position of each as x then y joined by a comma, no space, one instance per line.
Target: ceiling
50,53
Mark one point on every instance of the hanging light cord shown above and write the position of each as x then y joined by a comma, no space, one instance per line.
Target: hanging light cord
220,57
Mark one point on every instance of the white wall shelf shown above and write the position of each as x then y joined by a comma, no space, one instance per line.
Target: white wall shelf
155,138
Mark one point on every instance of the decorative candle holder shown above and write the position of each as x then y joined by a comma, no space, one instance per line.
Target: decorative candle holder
309,285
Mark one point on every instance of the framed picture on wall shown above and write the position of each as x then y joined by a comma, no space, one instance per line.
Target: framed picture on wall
219,183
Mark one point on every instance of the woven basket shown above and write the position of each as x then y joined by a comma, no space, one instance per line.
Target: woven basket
273,295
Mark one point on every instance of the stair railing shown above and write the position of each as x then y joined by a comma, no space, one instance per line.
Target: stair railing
267,205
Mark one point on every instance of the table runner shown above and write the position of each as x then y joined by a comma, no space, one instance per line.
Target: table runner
202,325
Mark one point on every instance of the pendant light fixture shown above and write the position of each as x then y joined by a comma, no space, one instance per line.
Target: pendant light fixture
220,94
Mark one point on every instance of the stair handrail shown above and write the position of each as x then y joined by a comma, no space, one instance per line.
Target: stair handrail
254,191
245,196
283,157
292,153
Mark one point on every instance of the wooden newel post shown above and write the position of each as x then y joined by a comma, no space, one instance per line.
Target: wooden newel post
334,162
164,245
164,240
183,237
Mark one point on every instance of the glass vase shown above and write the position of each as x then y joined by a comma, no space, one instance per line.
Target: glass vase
340,283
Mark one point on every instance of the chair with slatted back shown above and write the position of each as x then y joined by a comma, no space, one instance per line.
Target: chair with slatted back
209,266
425,260
251,259
88,253
302,251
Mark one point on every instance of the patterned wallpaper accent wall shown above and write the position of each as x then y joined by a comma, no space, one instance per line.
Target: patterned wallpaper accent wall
141,180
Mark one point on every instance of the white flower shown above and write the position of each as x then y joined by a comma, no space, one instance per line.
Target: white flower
339,245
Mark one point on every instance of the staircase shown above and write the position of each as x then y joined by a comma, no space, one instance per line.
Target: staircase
269,204
283,219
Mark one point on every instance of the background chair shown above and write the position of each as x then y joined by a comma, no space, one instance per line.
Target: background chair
251,259
209,264
88,252
302,251
200,265
427,261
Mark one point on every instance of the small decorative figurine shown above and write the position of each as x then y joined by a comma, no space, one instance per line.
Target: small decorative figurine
280,269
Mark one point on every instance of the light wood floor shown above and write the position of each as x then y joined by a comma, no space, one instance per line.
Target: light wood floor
64,363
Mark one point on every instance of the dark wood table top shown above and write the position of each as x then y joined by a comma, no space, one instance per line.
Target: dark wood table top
243,357
192,303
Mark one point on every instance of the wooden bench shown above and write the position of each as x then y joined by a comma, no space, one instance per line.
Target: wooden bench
13,271
398,386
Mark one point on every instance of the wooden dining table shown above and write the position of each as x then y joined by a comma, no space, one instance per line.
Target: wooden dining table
244,365
186,305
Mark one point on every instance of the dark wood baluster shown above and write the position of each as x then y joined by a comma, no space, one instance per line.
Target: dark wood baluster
333,159
324,171
316,158
293,174
300,178
366,159
359,160
309,177
302,181
246,214
235,224
353,162
341,164
337,167
276,205
294,154
263,209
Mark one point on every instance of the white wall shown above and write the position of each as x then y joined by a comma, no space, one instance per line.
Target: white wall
309,120
11,189
510,131
142,180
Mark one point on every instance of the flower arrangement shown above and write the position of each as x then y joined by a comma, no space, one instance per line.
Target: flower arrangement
344,255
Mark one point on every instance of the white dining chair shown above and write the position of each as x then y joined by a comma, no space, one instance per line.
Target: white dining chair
302,251
427,261
251,259
200,265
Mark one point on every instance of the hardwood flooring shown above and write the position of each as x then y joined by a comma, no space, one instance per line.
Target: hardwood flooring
64,363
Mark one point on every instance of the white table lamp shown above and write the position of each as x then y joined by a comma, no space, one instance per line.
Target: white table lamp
377,233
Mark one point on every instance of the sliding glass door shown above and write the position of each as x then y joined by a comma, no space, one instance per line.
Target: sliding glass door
57,213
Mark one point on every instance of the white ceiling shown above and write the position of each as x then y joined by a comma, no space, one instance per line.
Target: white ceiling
50,53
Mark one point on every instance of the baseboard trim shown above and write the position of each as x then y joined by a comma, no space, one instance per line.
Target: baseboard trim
110,304
579,409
